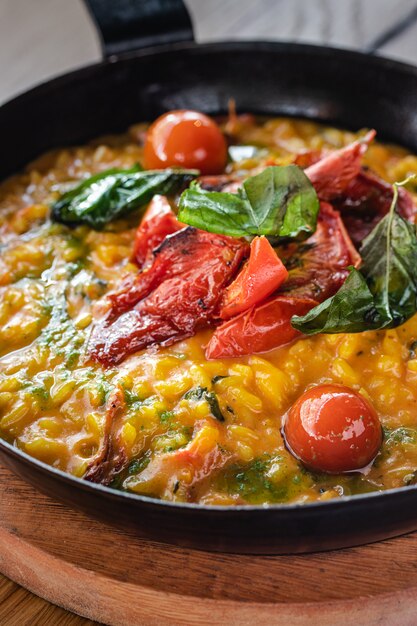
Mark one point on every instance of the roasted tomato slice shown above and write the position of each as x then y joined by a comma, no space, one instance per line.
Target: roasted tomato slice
260,329
173,298
318,267
158,222
332,174
263,274
365,202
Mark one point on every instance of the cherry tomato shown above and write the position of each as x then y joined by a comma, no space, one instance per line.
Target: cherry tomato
262,275
332,428
260,329
186,139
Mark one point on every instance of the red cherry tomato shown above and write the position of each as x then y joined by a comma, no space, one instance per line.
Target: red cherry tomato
186,139
262,275
332,428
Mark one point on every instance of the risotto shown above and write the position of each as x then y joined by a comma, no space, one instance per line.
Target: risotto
176,419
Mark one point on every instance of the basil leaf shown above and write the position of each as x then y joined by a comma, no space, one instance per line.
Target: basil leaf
350,310
389,256
214,211
279,202
283,202
383,294
115,192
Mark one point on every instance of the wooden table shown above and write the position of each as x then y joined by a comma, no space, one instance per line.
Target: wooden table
115,577
18,607
49,37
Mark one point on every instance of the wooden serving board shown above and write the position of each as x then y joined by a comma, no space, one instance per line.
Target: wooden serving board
113,577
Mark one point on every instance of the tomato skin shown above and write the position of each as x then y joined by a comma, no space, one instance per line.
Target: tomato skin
365,202
331,175
185,139
158,222
332,428
263,274
177,294
260,329
320,264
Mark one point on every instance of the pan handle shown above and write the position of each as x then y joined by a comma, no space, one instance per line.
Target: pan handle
126,25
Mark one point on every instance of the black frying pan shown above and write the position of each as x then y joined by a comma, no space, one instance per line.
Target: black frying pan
349,89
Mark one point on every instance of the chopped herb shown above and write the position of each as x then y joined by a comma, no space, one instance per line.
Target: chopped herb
195,394
72,358
413,350
202,393
138,465
103,389
213,403
216,379
117,482
132,399
40,392
252,483
60,330
166,416
400,435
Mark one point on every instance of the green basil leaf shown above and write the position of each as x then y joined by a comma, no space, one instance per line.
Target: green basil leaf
214,211
351,309
115,192
383,294
284,203
389,256
279,202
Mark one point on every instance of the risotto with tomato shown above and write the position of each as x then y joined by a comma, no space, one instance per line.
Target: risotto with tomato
214,311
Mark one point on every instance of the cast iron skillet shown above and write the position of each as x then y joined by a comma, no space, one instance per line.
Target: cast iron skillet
345,88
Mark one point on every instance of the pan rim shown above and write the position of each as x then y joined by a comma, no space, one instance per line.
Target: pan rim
213,48
252,509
